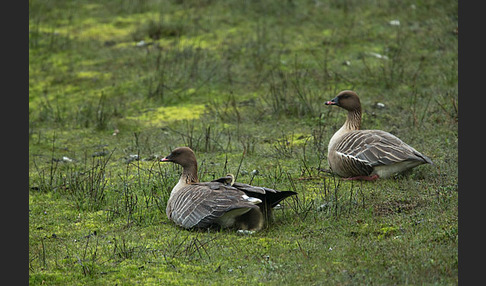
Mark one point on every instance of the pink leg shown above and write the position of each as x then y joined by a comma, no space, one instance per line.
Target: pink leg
364,178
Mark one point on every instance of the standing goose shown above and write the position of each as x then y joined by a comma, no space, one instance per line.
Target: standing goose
222,202
367,154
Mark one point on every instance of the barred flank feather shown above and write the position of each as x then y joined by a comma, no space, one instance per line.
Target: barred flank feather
200,205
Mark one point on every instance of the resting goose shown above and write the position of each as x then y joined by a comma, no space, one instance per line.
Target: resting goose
367,154
221,203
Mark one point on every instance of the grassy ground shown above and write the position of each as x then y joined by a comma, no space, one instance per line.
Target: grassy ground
114,86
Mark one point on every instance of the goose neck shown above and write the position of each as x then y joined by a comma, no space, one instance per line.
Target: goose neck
189,175
353,121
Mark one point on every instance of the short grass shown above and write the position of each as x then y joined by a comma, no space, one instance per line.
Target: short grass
113,86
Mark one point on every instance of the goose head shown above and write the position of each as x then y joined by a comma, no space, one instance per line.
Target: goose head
346,99
183,156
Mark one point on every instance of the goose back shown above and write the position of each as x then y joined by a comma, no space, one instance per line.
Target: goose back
269,198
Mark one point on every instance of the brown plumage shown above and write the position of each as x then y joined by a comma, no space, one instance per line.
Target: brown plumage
367,154
220,203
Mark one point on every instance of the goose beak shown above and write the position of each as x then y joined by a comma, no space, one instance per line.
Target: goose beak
333,101
164,160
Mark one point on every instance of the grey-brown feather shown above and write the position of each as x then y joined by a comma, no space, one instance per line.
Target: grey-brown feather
362,150
222,202
358,153
269,197
201,204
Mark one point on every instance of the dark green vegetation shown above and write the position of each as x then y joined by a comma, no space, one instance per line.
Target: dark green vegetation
243,83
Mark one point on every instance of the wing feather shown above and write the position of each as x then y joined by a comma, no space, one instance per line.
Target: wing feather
375,147
201,204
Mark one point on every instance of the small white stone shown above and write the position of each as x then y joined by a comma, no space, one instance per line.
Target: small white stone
378,56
